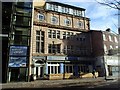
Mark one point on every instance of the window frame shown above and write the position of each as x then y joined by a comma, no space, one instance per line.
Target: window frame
54,20
42,15
67,22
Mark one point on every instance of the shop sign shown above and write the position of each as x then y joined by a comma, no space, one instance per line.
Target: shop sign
55,57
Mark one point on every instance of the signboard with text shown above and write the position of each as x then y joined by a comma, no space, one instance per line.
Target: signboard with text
17,56
18,50
17,61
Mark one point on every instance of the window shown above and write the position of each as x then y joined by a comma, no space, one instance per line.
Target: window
53,68
55,7
111,47
40,41
58,34
105,48
49,33
68,35
79,13
104,37
80,24
67,22
66,10
41,17
54,20
54,34
116,39
69,68
110,37
64,35
20,20
53,48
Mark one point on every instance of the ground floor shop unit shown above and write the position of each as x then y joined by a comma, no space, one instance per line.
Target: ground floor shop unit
108,65
61,65
112,65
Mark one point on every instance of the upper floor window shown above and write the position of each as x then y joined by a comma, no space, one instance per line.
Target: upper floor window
54,19
41,17
58,34
110,37
80,24
49,33
116,39
64,35
111,47
105,48
104,37
67,22
65,10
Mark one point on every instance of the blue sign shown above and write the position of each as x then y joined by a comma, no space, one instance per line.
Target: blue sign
18,50
17,62
72,58
55,57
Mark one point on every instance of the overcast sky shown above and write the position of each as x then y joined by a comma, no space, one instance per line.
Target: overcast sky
101,17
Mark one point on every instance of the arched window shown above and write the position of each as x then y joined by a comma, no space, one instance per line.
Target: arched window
54,20
41,17
67,22
80,24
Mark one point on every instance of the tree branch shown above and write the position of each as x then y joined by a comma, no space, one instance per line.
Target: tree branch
112,4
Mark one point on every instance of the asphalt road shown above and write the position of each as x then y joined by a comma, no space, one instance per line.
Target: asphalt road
99,83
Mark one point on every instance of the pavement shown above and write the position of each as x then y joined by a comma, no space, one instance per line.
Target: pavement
81,82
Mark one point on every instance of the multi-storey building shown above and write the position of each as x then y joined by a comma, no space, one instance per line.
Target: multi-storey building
105,51
16,33
59,40
52,39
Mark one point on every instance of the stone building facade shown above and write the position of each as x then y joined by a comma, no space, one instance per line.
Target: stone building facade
60,43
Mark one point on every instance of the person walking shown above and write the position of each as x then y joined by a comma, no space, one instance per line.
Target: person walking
93,72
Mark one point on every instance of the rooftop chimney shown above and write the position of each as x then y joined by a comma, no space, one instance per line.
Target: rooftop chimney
108,30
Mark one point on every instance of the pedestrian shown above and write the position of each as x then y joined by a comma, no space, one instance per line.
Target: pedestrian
93,72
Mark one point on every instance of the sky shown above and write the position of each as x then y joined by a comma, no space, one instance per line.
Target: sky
101,17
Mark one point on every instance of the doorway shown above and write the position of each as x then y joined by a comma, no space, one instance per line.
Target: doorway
17,74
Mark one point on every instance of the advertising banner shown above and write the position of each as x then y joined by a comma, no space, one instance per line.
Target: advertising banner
18,50
17,62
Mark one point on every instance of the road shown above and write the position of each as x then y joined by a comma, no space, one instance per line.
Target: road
70,83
